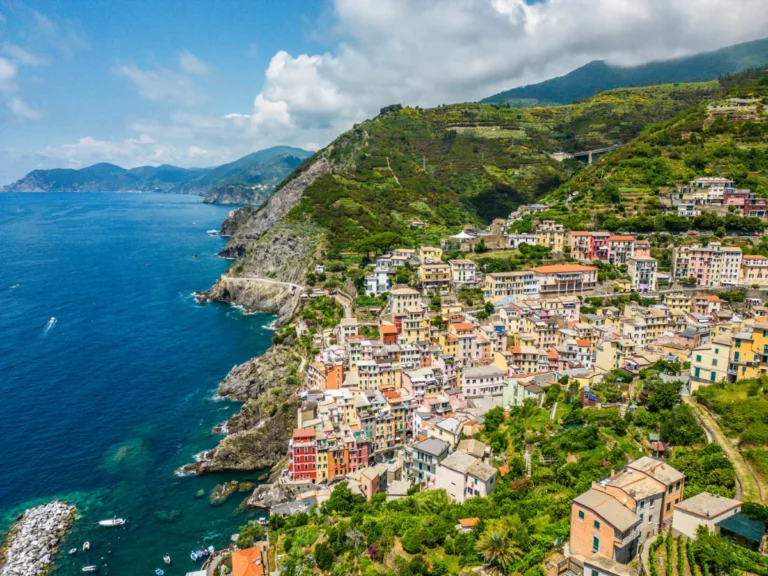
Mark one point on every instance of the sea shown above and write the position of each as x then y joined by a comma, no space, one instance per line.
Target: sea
100,406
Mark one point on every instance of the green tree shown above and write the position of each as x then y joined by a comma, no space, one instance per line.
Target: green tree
324,556
248,534
499,549
494,418
411,541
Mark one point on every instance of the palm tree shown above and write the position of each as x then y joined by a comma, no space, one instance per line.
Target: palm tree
498,548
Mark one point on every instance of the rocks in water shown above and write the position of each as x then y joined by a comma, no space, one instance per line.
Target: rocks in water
32,540
200,493
168,514
222,492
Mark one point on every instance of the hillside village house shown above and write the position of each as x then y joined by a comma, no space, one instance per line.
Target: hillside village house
482,380
428,254
565,278
424,458
551,235
713,265
754,271
704,509
601,525
710,361
403,298
499,285
463,476
435,276
463,271
642,271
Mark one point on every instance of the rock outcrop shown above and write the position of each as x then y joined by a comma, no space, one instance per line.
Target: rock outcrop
33,539
248,381
235,219
268,495
255,295
251,449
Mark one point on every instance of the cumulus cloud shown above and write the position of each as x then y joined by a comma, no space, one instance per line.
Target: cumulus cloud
422,52
191,64
23,110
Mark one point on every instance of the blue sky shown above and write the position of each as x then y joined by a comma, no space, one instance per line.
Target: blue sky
197,82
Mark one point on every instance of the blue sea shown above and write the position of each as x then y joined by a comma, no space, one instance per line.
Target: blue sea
101,406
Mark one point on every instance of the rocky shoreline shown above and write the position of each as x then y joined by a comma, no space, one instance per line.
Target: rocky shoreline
32,541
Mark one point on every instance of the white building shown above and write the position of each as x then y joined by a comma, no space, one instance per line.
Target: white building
704,509
482,380
463,476
378,282
463,271
642,271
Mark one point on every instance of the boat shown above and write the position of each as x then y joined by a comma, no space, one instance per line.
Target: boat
167,559
86,546
193,556
112,522
213,232
89,569
159,572
73,551
263,521
211,550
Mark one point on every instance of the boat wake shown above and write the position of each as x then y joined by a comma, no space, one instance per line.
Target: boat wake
49,325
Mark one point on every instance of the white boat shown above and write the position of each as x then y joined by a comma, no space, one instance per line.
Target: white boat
86,546
213,232
112,522
167,559
89,569
73,551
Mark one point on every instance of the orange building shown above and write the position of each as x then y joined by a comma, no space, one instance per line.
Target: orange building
248,562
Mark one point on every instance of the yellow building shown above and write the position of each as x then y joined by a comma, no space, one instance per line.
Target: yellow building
678,301
610,354
754,270
709,362
414,325
429,254
435,276
403,298
749,353
551,235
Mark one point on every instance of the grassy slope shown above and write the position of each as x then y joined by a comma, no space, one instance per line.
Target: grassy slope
468,163
625,183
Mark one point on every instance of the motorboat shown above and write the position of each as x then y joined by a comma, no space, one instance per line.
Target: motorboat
73,551
213,232
112,522
159,572
263,522
167,559
89,569
86,546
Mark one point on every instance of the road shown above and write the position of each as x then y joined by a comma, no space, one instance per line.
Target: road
750,488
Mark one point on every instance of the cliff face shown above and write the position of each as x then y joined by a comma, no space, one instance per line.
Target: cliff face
238,194
259,432
235,219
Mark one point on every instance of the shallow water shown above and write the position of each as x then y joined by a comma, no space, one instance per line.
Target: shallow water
102,405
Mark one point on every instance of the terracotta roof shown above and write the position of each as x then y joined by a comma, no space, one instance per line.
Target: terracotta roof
755,257
462,326
581,342
580,233
468,522
708,298
302,432
514,349
621,238
554,269
503,471
247,562
388,329
552,354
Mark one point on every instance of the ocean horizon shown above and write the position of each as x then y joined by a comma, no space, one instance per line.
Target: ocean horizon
101,405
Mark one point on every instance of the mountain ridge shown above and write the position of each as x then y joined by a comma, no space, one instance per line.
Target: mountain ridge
247,180
598,76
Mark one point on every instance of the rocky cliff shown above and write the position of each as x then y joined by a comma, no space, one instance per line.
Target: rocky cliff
248,381
235,219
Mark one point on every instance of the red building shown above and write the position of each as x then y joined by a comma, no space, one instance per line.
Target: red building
303,449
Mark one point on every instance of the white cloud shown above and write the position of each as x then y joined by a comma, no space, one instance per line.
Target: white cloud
162,84
23,110
22,55
64,37
191,64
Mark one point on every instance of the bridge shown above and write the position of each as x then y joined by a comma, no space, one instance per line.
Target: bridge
589,155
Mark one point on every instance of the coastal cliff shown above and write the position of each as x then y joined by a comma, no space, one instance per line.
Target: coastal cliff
258,434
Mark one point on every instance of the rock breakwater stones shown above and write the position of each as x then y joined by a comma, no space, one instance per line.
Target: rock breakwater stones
31,542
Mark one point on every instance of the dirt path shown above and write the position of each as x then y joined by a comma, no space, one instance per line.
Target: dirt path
749,488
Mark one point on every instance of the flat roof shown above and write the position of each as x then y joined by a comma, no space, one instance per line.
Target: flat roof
707,505
558,268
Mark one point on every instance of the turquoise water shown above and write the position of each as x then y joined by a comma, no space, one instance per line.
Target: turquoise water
101,407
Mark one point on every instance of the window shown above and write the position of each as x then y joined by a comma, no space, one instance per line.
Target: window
642,504
698,357
714,361
597,525
595,573
595,543
650,519
677,486
670,490
669,506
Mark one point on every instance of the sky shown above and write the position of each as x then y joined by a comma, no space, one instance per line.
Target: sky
200,83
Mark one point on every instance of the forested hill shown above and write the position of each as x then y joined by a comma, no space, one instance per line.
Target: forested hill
620,191
598,76
466,163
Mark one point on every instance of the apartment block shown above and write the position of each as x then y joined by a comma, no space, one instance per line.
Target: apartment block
499,285
565,278
551,235
642,271
711,265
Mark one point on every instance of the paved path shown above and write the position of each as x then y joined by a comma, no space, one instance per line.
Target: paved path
263,281
344,300
748,484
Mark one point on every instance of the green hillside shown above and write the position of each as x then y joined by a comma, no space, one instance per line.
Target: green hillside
620,191
467,163
599,76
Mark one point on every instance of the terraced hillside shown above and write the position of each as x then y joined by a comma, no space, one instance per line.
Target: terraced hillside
467,163
718,138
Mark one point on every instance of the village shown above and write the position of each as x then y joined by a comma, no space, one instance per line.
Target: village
396,392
